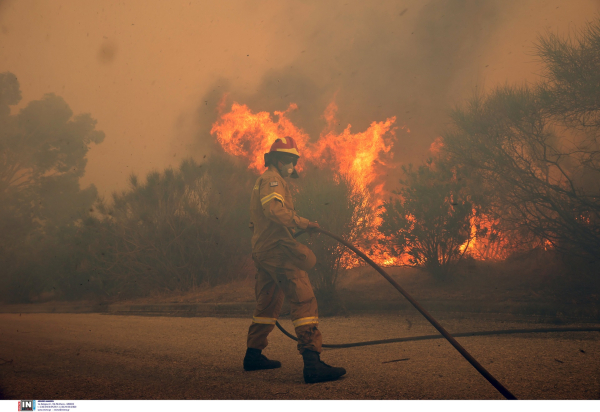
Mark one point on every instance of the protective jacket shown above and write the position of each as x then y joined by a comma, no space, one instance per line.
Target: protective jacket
272,213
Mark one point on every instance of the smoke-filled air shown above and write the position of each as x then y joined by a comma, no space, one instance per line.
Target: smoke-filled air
456,143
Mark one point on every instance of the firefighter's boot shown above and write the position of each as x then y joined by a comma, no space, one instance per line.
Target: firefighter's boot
255,360
315,370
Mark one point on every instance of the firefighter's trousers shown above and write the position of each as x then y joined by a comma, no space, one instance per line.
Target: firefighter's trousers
279,275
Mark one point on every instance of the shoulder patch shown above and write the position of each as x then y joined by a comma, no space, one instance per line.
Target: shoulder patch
273,184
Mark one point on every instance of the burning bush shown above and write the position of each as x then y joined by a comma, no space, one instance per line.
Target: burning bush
538,147
431,222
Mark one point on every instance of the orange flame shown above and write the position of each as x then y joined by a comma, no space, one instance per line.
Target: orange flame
363,156
360,156
248,135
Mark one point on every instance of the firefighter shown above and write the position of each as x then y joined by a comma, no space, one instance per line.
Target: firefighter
281,264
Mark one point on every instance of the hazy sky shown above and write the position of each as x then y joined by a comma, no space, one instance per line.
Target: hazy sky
152,72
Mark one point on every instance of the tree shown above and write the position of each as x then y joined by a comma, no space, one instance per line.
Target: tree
572,79
42,157
538,146
178,230
341,207
430,223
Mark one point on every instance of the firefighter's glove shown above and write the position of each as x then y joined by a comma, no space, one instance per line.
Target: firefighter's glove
311,226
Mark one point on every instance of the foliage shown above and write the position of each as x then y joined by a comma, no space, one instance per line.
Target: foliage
175,231
431,219
179,229
538,146
340,207
42,157
572,72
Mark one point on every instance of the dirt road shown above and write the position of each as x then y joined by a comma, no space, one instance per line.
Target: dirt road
92,356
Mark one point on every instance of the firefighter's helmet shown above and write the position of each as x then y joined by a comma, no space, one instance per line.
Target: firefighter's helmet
282,149
285,145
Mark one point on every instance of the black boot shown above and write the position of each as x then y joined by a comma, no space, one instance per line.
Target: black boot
254,361
315,370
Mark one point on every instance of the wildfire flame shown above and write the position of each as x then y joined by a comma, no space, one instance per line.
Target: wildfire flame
363,157
484,242
249,135
360,156
355,154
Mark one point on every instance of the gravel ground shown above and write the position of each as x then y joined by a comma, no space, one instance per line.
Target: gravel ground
93,356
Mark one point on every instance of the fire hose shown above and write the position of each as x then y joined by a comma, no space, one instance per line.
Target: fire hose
445,334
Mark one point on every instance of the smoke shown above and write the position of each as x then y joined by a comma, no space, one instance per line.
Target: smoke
4,4
409,59
153,73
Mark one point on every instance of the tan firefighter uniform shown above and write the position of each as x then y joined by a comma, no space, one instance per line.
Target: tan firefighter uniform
282,263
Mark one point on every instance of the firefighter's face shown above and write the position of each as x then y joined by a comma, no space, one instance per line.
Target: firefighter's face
286,169
286,165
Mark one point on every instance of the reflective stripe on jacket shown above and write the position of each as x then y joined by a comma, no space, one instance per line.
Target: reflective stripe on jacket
272,212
